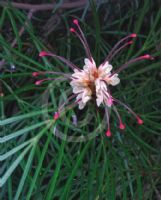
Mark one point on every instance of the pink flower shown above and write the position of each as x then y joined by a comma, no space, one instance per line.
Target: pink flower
92,82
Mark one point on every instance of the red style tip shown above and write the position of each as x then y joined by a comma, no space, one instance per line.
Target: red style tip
122,126
133,35
72,30
147,56
75,21
35,73
38,82
140,121
43,53
108,133
130,42
56,116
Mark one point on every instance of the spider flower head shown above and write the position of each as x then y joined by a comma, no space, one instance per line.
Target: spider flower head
94,82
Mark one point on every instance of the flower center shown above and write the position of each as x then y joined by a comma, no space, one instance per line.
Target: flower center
91,82
95,74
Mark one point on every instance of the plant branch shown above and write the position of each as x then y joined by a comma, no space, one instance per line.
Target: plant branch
42,7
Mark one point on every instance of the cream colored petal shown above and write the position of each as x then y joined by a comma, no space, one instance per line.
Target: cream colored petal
86,96
105,69
97,84
76,70
114,80
86,99
101,88
72,83
77,90
99,99
81,105
78,75
75,84
89,65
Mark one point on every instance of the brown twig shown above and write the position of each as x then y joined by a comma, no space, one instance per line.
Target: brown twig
42,7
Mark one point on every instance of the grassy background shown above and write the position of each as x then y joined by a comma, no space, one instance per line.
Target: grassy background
34,164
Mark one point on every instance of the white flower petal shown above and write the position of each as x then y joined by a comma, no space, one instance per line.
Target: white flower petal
77,89
97,84
88,62
105,69
81,105
89,65
114,80
76,70
75,84
86,96
101,90
99,99
86,99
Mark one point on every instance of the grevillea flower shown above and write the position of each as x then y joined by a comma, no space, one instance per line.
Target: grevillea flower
94,82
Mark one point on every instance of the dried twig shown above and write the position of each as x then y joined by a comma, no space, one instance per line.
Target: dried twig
42,7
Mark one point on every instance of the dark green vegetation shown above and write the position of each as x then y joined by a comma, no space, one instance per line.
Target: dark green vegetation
35,164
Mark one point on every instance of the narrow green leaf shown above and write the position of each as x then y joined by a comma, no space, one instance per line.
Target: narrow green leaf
39,166
14,150
73,172
25,173
13,166
14,26
21,132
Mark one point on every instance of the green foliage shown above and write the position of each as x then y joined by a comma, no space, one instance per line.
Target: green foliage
35,164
